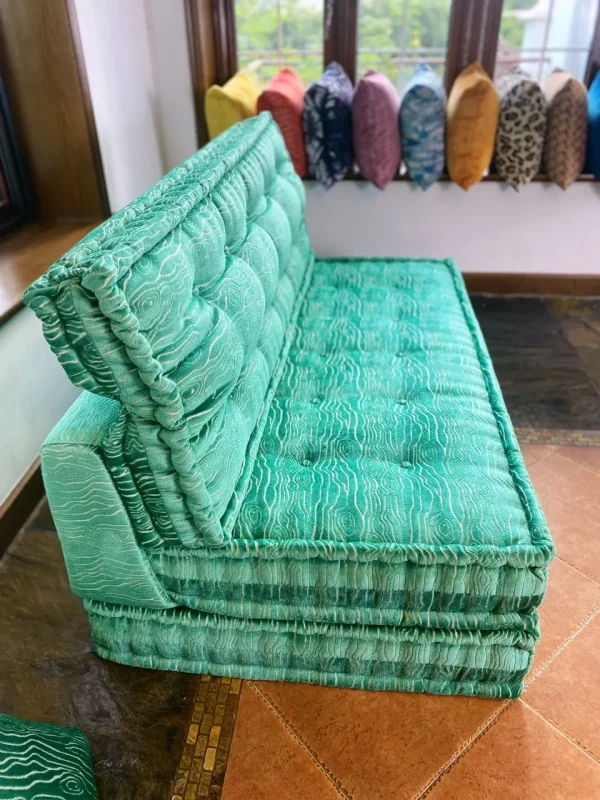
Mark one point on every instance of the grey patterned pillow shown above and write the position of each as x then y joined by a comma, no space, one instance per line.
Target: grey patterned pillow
521,128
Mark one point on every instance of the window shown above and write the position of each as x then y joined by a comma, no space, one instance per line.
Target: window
396,35
16,204
271,34
539,35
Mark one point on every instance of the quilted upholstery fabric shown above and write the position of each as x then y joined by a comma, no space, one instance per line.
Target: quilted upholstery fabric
375,125
388,494
521,128
284,98
566,134
327,126
44,762
423,126
179,307
485,664
593,142
231,103
381,529
472,120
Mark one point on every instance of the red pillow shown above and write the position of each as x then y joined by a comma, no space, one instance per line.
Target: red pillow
284,98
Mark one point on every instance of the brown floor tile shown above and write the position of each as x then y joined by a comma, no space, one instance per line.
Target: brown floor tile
532,453
587,456
568,692
569,599
380,745
570,496
41,519
521,757
265,760
135,719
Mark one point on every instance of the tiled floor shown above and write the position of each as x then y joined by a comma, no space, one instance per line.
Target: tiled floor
159,735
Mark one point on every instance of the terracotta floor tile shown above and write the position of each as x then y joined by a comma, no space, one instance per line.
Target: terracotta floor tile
568,691
570,496
521,757
532,453
380,745
265,761
587,456
569,599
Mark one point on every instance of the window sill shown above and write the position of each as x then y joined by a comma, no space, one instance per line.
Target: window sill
493,178
27,254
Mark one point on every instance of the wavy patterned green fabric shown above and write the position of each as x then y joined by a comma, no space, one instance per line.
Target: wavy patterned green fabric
412,659
44,762
380,529
178,307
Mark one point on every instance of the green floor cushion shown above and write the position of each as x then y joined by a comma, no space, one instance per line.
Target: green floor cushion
44,762
410,659
178,307
285,468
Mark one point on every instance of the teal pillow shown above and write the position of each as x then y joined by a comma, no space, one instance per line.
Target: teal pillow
423,126
178,307
44,762
593,140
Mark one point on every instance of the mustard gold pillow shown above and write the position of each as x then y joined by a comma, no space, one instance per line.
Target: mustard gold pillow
231,103
472,119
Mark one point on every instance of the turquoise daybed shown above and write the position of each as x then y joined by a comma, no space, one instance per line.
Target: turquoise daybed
284,467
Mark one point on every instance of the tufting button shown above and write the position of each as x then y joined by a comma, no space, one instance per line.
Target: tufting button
406,464
307,463
403,401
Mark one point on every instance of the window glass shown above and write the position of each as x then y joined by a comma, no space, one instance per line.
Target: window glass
280,33
394,36
539,35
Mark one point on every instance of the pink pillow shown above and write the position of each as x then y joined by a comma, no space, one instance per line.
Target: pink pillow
376,132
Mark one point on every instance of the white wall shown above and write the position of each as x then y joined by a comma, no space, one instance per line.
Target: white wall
491,228
35,394
174,99
137,62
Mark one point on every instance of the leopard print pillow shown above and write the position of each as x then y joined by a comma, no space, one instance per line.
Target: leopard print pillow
521,128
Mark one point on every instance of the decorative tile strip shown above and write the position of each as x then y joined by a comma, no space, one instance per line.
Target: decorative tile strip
559,436
204,759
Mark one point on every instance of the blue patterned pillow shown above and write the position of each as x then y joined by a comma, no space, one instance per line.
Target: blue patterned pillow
422,126
327,126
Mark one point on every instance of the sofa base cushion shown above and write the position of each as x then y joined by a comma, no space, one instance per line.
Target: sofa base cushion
412,659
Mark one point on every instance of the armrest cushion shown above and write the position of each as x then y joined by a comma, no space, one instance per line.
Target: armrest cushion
103,557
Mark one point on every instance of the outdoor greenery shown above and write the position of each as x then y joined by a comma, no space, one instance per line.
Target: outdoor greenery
394,35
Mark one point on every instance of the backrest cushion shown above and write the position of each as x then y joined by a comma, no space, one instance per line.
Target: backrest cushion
472,120
179,307
423,126
521,128
593,141
375,128
284,98
566,134
231,103
327,126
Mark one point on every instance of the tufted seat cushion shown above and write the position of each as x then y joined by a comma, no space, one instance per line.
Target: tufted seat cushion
179,307
388,476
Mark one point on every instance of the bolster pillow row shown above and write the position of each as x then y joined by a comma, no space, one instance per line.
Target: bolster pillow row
514,123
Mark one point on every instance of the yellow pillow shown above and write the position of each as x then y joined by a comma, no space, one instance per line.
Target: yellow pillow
234,102
472,119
